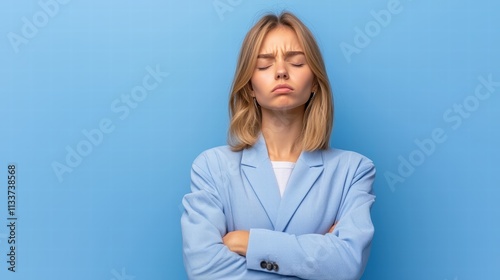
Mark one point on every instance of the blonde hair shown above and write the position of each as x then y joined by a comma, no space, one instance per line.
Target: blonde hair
245,125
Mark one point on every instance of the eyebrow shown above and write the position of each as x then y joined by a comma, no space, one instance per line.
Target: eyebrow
287,54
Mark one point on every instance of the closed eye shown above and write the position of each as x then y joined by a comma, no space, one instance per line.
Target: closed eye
298,64
263,68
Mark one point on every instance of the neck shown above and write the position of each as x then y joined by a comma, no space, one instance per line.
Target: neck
281,130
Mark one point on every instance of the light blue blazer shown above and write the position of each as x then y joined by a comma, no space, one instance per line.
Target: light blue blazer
289,236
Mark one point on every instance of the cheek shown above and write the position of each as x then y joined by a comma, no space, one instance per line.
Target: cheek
257,82
310,79
306,79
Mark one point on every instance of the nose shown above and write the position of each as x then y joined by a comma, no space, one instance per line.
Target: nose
281,72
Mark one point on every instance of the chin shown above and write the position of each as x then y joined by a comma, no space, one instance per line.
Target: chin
287,107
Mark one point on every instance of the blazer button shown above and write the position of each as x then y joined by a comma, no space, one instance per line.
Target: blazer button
269,266
263,264
276,267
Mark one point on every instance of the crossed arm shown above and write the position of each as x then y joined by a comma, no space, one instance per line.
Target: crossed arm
237,241
210,252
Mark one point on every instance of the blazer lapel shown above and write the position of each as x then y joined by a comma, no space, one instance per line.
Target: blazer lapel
307,169
259,172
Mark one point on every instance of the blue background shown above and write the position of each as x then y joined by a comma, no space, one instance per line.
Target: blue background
116,214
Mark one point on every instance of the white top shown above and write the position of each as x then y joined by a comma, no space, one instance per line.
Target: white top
282,170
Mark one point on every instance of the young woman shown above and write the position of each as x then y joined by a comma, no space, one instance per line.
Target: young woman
278,203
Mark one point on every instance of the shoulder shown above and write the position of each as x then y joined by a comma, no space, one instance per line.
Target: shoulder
353,168
347,159
215,157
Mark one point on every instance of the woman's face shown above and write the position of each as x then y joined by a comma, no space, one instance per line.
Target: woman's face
282,80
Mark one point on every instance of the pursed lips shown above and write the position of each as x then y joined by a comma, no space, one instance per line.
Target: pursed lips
282,88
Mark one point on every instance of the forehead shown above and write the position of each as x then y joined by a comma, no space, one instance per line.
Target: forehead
280,39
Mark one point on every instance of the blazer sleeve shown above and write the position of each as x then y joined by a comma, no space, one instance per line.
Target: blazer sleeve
341,254
203,226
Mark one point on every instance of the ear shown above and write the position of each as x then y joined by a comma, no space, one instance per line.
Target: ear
315,88
315,85
251,88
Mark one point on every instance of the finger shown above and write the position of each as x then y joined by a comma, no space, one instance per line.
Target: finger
332,228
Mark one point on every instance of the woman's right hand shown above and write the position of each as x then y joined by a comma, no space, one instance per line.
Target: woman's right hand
332,228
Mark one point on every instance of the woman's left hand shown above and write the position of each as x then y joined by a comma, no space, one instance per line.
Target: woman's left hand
237,241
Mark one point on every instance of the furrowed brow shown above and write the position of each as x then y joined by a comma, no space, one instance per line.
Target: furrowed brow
266,55
293,53
287,55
